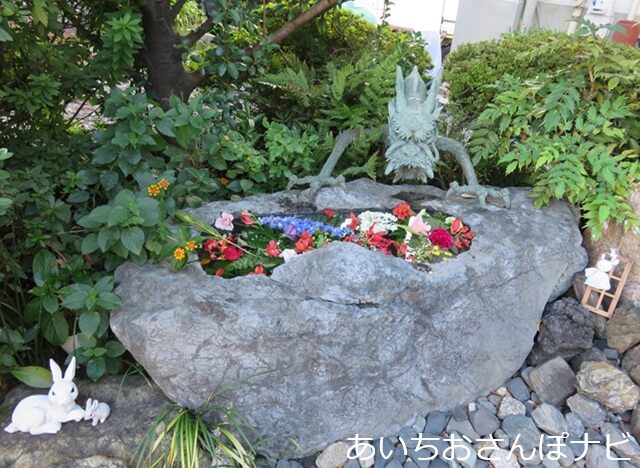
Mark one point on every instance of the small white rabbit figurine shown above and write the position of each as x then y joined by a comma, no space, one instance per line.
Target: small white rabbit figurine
44,414
97,411
598,277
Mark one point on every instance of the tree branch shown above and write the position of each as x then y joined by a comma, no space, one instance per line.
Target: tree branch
194,36
302,19
176,8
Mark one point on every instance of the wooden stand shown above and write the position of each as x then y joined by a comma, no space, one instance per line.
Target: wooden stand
603,302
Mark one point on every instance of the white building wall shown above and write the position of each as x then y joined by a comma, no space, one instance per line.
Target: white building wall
479,20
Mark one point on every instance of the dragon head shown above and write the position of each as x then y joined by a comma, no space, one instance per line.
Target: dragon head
413,127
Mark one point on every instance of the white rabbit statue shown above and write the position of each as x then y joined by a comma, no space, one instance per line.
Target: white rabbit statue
97,411
44,414
598,277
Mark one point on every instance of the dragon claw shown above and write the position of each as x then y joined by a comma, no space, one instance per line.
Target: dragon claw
480,191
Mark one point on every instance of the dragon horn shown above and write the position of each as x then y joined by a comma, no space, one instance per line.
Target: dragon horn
401,99
432,99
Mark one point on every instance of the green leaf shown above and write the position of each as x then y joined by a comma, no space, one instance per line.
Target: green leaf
5,36
89,244
109,301
246,184
105,284
133,239
50,303
96,218
55,328
613,82
44,266
114,348
165,126
95,368
39,12
118,215
603,213
33,376
89,322
5,204
76,296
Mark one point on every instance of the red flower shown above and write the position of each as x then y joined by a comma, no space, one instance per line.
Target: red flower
329,213
441,238
355,222
272,249
401,249
210,244
246,218
455,226
402,211
232,253
220,272
304,243
258,270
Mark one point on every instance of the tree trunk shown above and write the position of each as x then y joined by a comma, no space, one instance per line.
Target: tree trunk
163,56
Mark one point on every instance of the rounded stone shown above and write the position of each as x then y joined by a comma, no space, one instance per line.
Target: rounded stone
511,407
549,419
608,385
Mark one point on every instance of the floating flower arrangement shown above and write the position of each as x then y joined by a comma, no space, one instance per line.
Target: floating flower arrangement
255,245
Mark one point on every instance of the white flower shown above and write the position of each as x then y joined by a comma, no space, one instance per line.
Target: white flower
288,254
379,221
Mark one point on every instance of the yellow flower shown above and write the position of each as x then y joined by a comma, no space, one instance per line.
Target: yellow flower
226,138
191,245
179,253
153,190
163,184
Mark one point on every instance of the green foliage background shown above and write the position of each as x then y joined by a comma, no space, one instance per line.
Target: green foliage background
557,112
74,199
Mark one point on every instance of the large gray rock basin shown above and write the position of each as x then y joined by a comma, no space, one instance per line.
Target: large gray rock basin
343,341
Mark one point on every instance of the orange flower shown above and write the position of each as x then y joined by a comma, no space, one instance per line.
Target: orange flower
153,190
179,253
304,243
224,181
191,245
272,249
402,211
163,184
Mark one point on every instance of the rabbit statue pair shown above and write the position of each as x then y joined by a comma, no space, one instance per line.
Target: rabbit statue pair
44,414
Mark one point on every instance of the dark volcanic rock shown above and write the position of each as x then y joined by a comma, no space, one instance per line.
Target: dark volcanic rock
566,330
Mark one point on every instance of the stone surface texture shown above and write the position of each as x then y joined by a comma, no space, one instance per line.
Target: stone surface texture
623,329
608,385
566,330
343,340
553,381
135,405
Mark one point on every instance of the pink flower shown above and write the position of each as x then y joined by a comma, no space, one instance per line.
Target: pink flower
245,218
224,222
417,224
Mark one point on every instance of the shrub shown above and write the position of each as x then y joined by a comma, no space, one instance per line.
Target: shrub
573,134
473,69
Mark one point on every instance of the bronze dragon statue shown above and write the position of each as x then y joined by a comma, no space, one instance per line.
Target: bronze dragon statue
414,144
